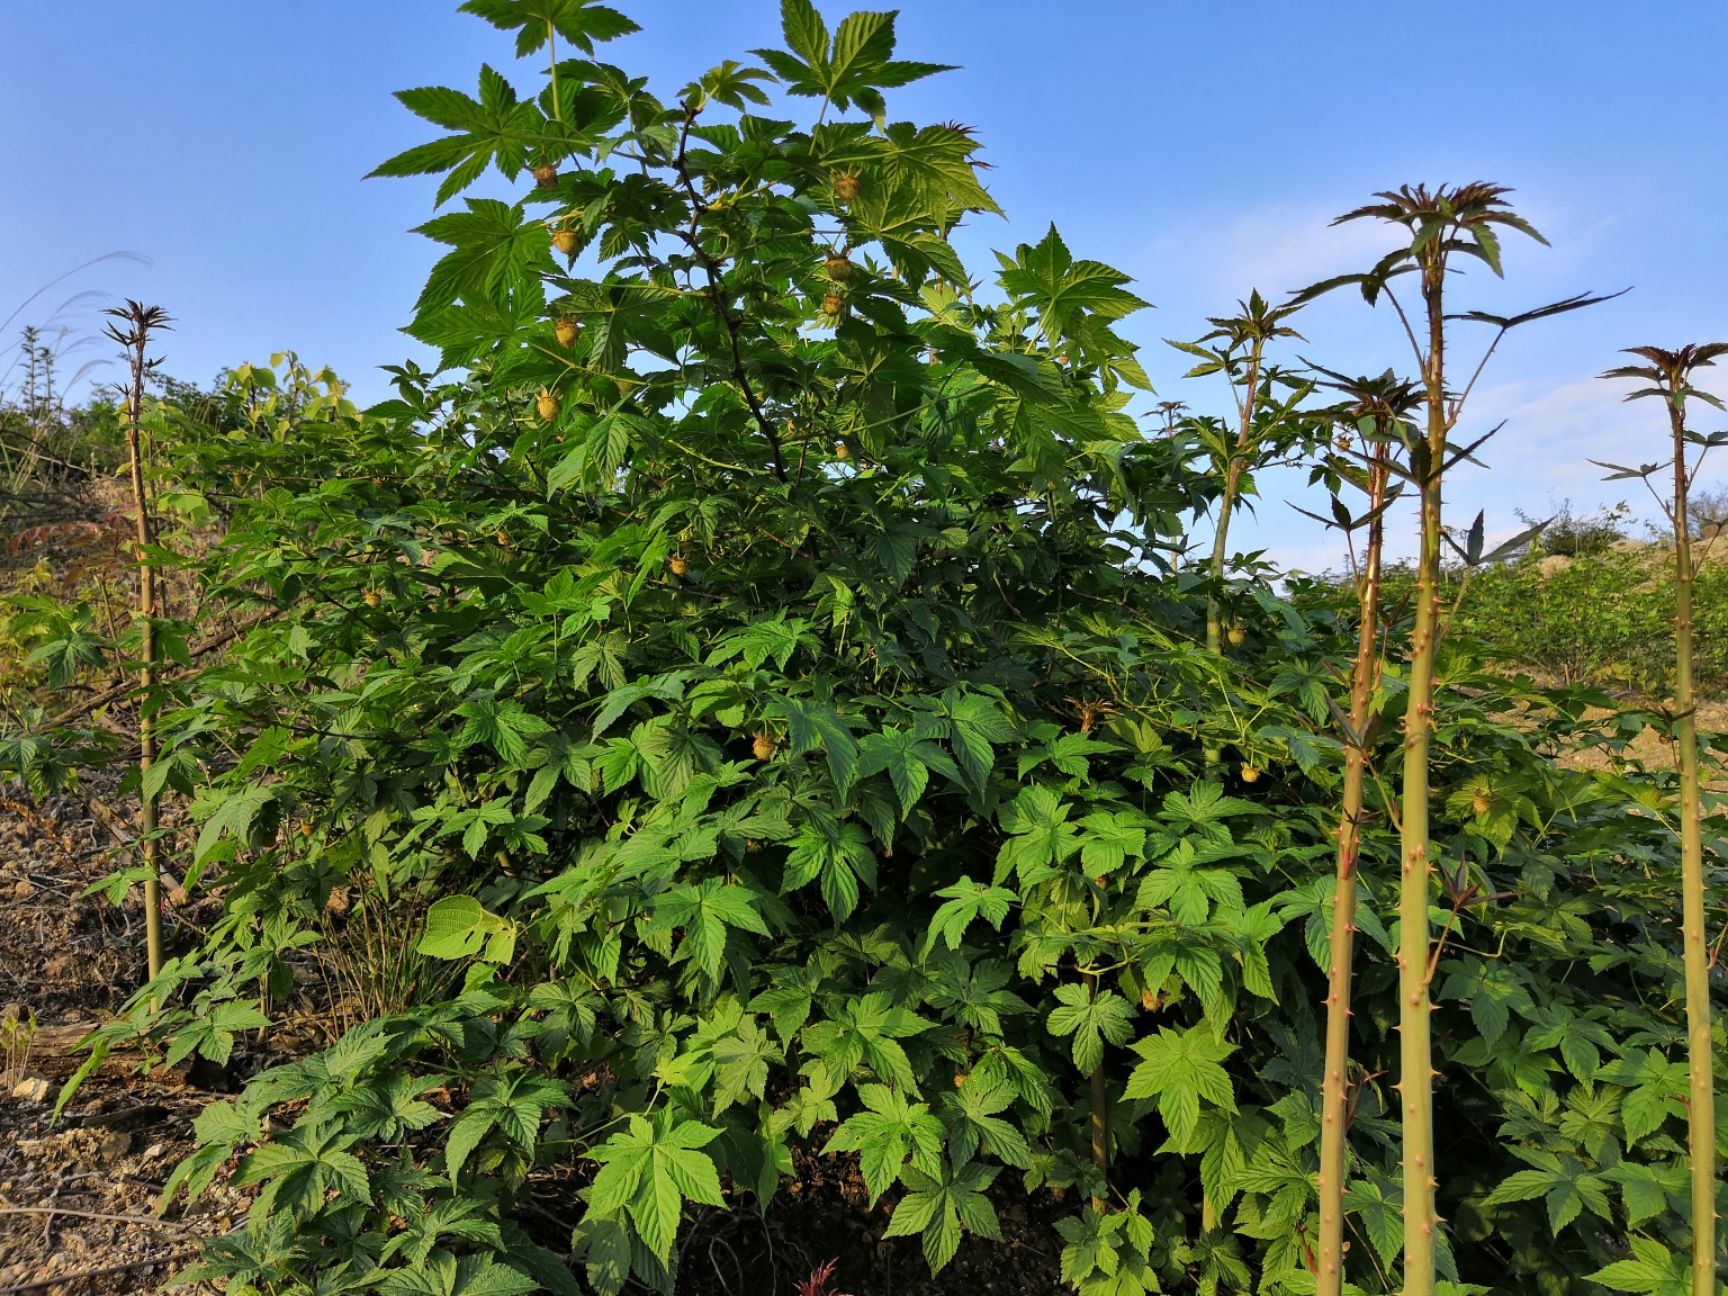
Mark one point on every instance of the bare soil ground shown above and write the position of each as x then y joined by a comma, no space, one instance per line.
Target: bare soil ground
1652,749
77,1196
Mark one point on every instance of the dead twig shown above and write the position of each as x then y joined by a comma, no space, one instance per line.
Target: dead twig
145,1220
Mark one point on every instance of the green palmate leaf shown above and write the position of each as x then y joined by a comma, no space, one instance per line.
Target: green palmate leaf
939,1205
1189,891
1180,1070
212,1035
446,1275
505,726
599,453
649,1170
1377,1202
907,759
812,726
233,817
301,1168
866,1032
1565,1186
496,128
842,860
852,69
1204,803
1108,1254
1646,1190
1110,837
707,911
930,168
513,1106
468,330
888,1134
773,639
1652,1268
971,1114
975,724
581,22
1041,837
741,1064
963,902
1091,1019
62,657
1048,279
1655,1090
388,1109
496,251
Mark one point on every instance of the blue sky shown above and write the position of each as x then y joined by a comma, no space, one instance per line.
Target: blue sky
1200,147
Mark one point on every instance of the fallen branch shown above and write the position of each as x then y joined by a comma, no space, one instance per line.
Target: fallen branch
62,1041
145,1220
100,811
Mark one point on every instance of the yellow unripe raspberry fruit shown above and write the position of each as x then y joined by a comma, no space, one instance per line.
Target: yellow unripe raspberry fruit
1250,773
546,405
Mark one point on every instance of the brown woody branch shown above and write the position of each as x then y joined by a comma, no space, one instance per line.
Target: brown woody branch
727,321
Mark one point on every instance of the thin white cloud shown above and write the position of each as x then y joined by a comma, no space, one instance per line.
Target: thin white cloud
1583,417
1276,247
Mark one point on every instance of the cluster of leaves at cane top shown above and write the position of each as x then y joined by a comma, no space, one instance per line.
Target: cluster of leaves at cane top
760,664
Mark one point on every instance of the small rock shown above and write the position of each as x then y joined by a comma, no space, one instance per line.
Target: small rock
114,1146
23,889
31,1089
152,1152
